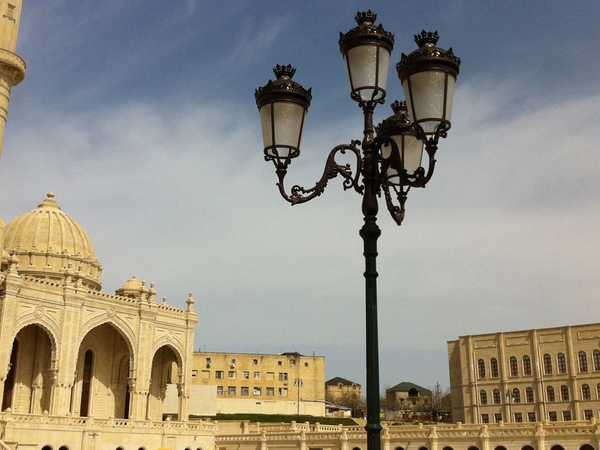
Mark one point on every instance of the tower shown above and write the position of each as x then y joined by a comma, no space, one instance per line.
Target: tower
12,66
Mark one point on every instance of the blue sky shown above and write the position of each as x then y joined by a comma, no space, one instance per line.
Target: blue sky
140,116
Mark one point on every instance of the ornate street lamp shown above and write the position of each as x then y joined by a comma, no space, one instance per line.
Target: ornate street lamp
389,159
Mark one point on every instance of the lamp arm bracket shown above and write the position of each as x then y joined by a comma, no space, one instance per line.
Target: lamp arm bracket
332,169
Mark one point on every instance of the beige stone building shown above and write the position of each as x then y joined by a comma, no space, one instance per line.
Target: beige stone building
69,350
406,395
339,388
526,376
288,383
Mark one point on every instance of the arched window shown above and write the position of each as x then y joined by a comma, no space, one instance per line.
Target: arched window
547,364
496,397
550,393
527,447
583,367
63,447
514,368
526,365
476,448
483,397
447,448
529,395
564,393
88,367
585,392
562,363
494,368
516,395
596,359
481,368
586,447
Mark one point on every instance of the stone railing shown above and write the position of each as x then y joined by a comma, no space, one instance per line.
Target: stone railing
91,422
514,436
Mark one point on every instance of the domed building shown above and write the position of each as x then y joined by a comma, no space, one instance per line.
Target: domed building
67,349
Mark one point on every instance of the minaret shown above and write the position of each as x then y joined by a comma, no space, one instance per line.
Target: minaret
12,66
12,71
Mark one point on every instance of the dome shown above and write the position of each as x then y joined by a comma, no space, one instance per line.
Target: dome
49,243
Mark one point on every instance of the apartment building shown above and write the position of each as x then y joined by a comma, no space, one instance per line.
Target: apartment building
548,374
287,383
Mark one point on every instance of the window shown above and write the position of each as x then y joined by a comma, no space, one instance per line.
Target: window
564,393
208,362
496,397
231,374
526,365
514,368
483,397
585,392
562,363
283,376
596,359
494,368
547,364
194,374
292,362
257,391
550,393
270,375
481,368
270,391
245,390
518,417
516,395
278,363
529,395
552,416
485,418
205,374
255,361
232,363
583,367
566,415
498,418
305,364
231,390
246,375
219,374
219,390
598,390
588,414
257,375
283,392
531,417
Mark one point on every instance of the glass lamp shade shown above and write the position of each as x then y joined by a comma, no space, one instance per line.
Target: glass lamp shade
367,49
428,76
283,105
401,149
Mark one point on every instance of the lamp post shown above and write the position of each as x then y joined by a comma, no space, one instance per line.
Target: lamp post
298,383
389,159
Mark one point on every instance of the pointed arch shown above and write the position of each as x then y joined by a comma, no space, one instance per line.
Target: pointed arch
33,354
105,356
165,360
120,325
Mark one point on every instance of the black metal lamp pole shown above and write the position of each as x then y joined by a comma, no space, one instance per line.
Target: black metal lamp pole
389,159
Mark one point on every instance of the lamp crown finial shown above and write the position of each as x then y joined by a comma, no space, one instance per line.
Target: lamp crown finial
398,106
282,71
427,38
365,17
